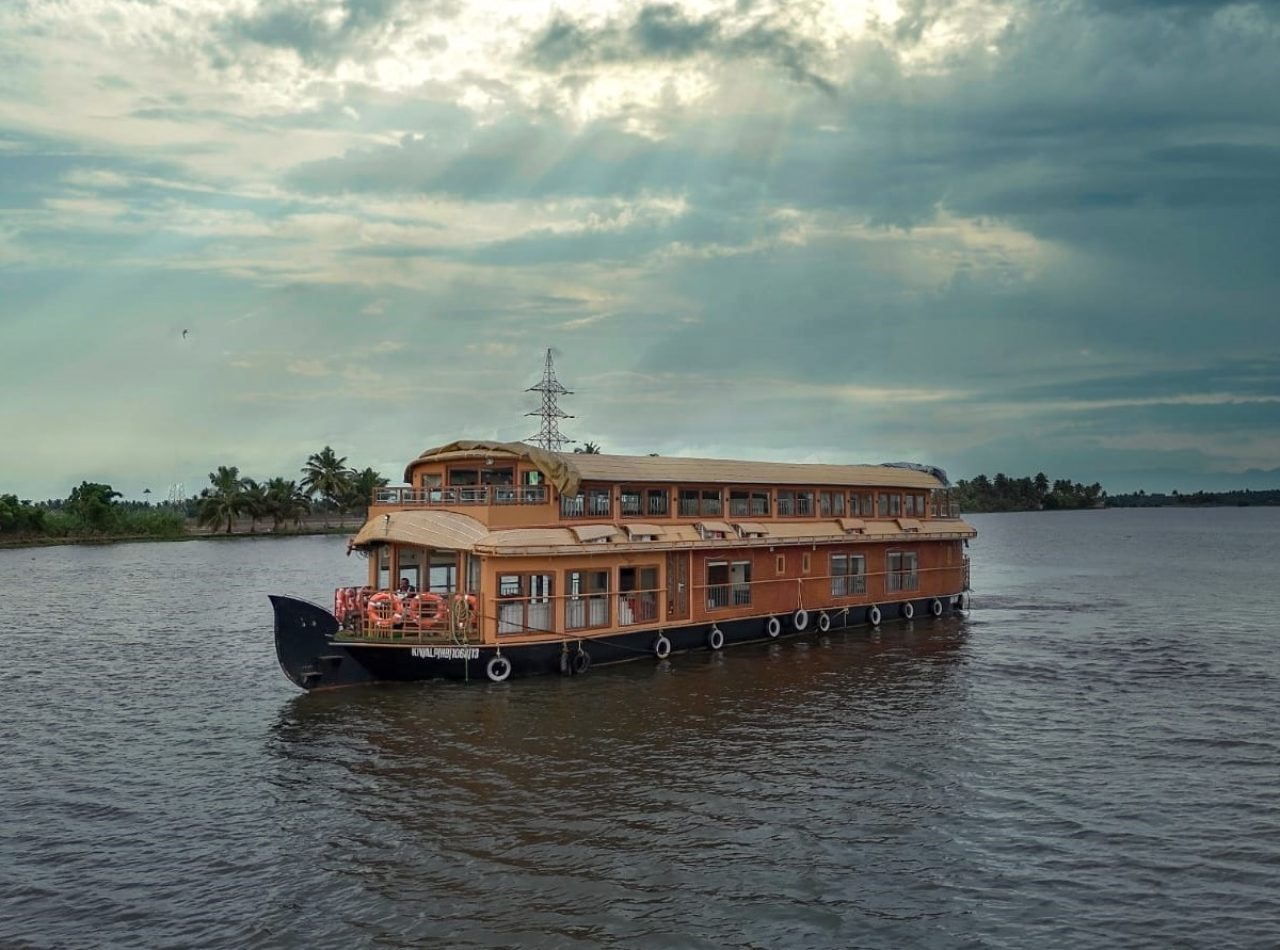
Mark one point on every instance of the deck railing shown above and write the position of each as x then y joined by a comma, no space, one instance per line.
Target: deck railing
386,615
464,495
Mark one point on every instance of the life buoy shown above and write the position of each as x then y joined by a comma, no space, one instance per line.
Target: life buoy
385,609
430,608
935,608
800,619
873,616
498,668
773,626
824,622
908,610
715,639
661,647
581,662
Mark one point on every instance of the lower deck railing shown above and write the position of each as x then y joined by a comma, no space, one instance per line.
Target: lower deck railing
432,617
388,615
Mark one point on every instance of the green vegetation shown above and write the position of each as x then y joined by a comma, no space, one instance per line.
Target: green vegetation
1003,493
93,511
89,512
1235,499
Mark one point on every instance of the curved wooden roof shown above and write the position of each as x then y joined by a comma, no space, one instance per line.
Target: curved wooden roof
568,470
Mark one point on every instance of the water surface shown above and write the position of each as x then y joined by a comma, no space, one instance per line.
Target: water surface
1088,760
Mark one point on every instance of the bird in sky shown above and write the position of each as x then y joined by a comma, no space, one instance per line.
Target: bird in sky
184,334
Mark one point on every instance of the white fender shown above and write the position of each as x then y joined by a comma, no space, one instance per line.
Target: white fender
498,668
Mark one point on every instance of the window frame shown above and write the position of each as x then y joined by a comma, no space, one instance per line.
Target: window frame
848,582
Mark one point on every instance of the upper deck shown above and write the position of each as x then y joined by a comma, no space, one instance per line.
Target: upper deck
512,485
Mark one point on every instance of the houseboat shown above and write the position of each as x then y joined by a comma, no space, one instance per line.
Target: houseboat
500,559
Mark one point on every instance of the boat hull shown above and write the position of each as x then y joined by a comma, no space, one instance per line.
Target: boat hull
314,655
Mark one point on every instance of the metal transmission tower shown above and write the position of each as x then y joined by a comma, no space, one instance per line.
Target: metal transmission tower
549,437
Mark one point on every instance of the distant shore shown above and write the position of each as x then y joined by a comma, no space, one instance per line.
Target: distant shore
313,525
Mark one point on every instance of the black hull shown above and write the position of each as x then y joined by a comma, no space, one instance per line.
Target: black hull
313,658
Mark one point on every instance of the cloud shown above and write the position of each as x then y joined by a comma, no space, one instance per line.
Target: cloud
665,32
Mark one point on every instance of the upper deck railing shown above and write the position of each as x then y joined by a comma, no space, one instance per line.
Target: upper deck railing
601,505
464,495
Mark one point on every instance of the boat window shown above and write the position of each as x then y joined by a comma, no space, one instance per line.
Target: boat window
598,501
744,503
740,583
630,501
637,594
656,501
497,476
587,604
384,567
831,504
728,584
409,567
711,502
689,502
901,571
867,509
525,603
780,565
717,584
443,576
795,504
848,575
464,476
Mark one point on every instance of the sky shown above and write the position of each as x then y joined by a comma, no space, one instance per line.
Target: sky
988,235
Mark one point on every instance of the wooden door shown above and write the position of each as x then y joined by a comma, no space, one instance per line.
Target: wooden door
678,585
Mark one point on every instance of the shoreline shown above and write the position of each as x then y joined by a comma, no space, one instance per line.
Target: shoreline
47,542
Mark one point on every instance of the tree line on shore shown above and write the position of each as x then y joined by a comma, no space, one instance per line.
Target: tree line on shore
94,509
1030,493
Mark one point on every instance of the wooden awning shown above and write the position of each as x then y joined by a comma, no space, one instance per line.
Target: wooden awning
908,524
850,525
717,526
642,530
751,527
593,532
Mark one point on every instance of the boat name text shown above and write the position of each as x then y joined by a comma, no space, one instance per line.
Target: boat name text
446,653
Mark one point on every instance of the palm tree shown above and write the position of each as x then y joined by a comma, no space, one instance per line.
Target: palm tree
223,499
326,475
253,502
363,485
588,448
285,502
